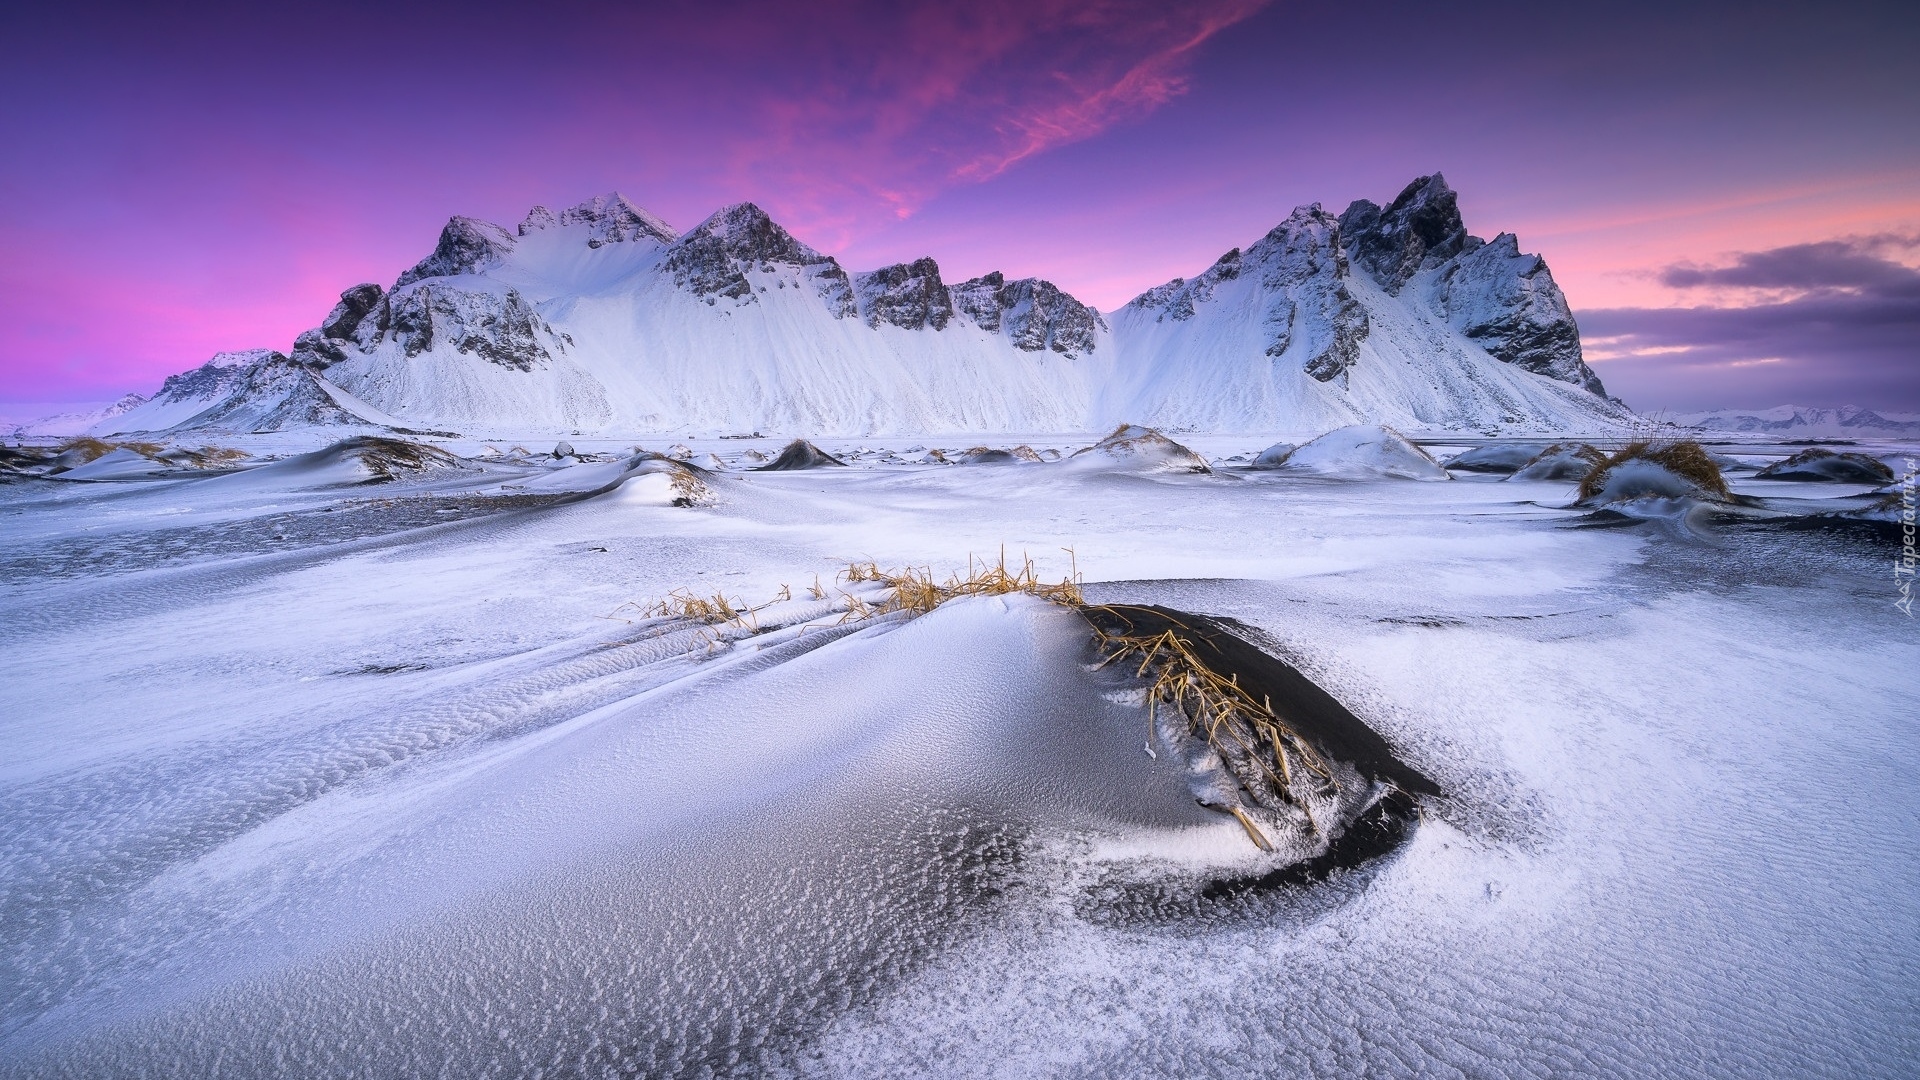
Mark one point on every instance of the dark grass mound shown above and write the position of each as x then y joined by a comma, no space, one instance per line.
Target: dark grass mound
1686,459
987,455
1146,449
1308,711
391,459
1825,465
800,454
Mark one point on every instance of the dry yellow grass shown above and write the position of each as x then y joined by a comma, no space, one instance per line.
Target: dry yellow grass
917,591
1684,458
1217,709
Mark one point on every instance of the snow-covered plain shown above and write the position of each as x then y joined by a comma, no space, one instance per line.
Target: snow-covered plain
308,776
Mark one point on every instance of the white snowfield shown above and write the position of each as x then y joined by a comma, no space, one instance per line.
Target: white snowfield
308,775
602,320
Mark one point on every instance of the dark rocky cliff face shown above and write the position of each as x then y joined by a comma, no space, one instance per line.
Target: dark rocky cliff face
502,328
1507,302
609,218
713,259
466,245
1303,275
1034,314
1419,229
907,295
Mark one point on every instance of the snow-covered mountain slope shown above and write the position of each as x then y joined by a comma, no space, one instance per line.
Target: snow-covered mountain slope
251,391
603,319
1394,316
79,422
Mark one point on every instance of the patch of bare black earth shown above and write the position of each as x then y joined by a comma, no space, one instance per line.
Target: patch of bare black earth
332,523
1300,888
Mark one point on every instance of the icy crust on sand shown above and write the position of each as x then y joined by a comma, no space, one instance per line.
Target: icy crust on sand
371,900
603,319
1362,452
1495,457
438,796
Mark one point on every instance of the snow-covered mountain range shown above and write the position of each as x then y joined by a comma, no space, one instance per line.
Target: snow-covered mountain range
1847,421
603,319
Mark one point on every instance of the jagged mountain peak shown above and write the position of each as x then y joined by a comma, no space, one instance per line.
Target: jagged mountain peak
713,258
467,245
614,219
746,231
1420,228
908,295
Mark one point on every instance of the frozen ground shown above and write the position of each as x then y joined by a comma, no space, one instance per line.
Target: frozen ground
392,780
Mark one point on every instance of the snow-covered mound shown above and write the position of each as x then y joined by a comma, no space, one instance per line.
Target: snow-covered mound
1365,451
1681,470
1495,457
1133,448
1273,456
640,478
1561,461
1815,463
363,459
1847,421
603,319
800,454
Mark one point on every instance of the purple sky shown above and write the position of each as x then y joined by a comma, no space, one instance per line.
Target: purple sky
1731,197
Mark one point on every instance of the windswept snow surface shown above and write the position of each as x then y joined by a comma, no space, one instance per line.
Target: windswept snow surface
308,776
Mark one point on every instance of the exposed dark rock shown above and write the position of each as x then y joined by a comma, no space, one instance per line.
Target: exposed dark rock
354,306
614,220
1310,309
907,295
502,327
800,454
714,258
538,218
1033,313
466,245
1421,228
1509,304
1179,296
273,394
